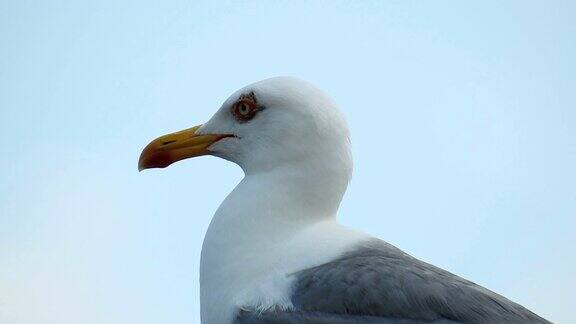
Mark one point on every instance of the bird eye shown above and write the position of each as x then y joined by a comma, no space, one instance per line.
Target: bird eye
245,108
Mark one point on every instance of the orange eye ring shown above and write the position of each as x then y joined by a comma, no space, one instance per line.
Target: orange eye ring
245,108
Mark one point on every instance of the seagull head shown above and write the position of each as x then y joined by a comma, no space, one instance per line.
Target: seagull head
274,123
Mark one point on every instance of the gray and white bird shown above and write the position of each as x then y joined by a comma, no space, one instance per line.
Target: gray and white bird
274,252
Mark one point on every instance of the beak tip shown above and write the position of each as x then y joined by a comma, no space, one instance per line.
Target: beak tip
142,163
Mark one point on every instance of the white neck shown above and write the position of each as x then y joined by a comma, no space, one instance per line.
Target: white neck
255,226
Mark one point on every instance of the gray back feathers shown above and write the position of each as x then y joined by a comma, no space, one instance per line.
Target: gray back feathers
296,317
378,283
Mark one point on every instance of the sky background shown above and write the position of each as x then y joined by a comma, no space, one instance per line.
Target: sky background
463,121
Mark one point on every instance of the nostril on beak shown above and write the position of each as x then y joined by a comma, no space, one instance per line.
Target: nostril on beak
168,142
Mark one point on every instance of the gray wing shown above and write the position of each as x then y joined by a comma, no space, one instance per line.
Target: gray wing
378,283
297,317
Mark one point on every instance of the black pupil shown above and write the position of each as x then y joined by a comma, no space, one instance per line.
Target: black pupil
244,108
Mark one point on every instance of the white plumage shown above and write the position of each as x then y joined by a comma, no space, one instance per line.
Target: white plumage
274,251
282,217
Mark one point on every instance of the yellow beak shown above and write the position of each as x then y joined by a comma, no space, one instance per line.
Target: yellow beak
174,147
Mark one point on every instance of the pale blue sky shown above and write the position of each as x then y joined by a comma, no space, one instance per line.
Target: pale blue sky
463,121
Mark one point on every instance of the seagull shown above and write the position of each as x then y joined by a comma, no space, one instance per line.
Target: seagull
274,252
